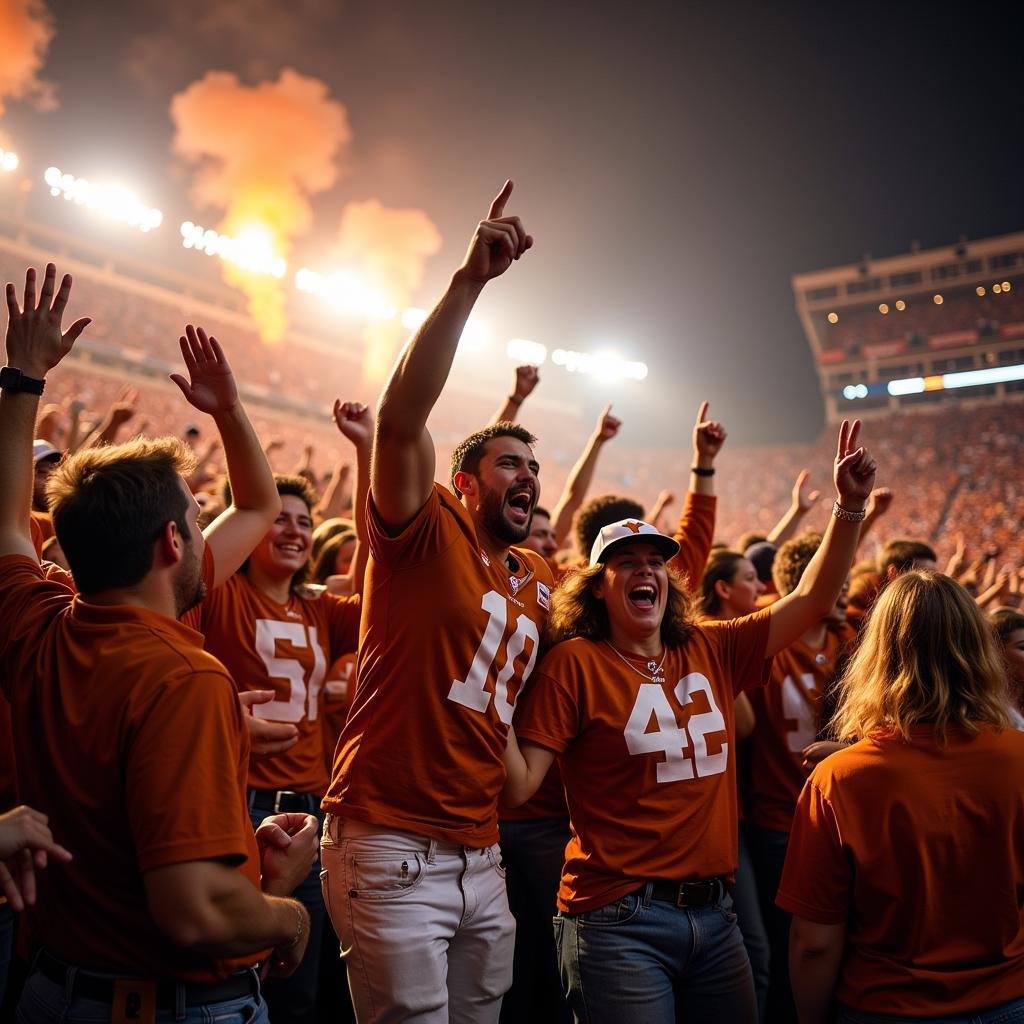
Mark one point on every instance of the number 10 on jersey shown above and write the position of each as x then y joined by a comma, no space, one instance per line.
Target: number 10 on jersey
472,691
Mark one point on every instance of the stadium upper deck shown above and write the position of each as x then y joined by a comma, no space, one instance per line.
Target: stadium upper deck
886,334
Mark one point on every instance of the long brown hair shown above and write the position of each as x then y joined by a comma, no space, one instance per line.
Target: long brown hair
926,657
576,611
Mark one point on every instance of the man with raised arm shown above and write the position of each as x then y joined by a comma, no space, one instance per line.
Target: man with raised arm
128,735
451,623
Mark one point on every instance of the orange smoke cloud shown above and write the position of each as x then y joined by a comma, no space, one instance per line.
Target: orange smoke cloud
26,29
260,153
390,247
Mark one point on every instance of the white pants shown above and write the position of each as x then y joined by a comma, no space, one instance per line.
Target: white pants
425,928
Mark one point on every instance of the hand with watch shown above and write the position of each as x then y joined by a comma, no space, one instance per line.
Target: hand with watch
35,341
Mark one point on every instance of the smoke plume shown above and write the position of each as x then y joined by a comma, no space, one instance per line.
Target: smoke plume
260,153
390,247
26,29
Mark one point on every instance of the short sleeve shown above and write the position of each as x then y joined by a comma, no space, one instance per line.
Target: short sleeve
29,603
548,714
342,623
742,643
817,878
432,531
186,750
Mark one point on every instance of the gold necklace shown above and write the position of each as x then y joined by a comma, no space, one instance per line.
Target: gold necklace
654,668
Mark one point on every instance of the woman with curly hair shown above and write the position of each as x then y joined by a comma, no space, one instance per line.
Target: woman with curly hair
636,699
905,867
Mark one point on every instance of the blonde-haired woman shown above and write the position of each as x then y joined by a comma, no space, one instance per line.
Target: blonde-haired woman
905,868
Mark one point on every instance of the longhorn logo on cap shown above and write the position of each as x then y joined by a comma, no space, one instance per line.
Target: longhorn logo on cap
633,526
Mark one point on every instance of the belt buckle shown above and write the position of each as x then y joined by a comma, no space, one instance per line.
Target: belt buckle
277,798
681,896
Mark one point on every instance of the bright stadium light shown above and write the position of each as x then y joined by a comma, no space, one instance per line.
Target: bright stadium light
8,160
251,250
346,292
909,386
413,317
854,391
112,201
975,378
522,351
605,365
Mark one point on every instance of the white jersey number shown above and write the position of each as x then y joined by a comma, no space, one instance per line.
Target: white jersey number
303,693
670,738
472,691
797,708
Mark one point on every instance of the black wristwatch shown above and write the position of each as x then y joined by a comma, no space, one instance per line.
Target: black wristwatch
12,379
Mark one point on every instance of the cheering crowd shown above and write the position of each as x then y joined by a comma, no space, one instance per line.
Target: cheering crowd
643,776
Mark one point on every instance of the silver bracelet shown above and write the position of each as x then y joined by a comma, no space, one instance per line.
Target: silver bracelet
846,515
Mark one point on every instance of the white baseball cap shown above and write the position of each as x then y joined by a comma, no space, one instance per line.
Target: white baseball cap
626,530
43,450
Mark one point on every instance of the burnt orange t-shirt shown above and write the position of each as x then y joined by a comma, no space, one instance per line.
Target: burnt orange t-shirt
919,849
448,638
130,737
286,648
339,688
787,720
649,766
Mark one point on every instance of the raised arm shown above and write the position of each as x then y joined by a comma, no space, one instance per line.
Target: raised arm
355,421
35,345
578,482
123,410
527,378
816,593
210,388
337,492
696,530
878,504
802,502
402,471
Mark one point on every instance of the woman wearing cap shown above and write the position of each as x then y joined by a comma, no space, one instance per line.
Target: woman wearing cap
636,700
905,866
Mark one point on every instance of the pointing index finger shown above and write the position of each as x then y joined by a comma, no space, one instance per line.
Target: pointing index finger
498,205
702,412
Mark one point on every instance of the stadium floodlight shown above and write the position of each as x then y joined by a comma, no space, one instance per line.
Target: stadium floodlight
908,386
113,201
854,391
474,335
251,250
522,351
413,317
8,160
976,378
606,365
346,292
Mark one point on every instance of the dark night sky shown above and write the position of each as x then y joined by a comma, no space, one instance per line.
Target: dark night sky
676,162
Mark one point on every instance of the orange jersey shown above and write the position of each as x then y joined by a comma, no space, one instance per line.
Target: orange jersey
129,736
649,765
695,534
787,712
285,648
339,686
448,637
919,849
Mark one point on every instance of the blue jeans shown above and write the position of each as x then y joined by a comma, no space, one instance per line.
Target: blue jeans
649,962
1005,1013
44,1001
293,999
533,853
